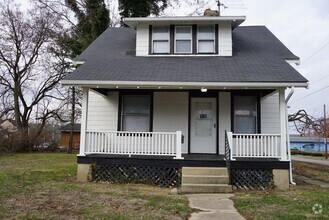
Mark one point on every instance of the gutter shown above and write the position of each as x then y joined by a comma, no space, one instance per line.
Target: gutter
288,137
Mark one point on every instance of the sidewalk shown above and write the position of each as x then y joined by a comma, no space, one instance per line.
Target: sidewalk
308,160
213,206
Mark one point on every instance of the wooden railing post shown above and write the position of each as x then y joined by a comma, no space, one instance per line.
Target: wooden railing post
230,143
178,145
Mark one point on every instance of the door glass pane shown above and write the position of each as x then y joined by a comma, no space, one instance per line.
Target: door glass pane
245,124
136,105
203,119
206,46
183,46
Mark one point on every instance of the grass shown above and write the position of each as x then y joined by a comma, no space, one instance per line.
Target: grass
314,171
43,186
295,203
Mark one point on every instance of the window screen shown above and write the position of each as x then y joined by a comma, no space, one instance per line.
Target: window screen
245,114
135,113
206,39
183,39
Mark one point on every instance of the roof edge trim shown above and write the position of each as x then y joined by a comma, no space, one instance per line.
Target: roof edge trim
154,84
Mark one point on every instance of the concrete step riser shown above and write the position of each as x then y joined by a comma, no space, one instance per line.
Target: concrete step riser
205,179
206,189
204,171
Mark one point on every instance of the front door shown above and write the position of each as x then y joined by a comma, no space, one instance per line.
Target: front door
203,125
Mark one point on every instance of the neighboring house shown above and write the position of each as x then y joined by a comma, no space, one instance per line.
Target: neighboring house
197,94
307,143
65,135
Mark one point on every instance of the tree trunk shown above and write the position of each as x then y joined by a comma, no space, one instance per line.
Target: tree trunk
70,149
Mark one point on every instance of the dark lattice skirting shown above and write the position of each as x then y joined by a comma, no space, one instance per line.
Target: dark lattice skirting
160,176
252,178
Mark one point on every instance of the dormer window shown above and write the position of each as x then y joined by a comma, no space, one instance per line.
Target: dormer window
183,39
161,39
206,39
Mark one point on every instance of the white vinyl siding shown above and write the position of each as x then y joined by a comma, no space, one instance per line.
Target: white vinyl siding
171,114
183,39
225,39
160,39
224,119
102,111
206,39
142,40
270,114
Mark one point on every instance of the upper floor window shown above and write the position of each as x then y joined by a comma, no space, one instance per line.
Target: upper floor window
206,39
161,39
183,39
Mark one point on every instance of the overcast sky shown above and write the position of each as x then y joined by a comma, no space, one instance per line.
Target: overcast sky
303,26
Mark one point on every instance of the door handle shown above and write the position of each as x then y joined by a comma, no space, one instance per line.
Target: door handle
214,125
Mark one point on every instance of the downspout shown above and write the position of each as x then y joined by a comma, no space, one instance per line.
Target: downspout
288,138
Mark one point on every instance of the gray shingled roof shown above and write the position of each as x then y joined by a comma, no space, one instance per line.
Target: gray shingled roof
258,56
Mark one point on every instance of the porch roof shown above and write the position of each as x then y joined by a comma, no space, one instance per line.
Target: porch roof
258,58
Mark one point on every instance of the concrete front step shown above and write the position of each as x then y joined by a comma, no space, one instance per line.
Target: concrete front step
209,171
205,188
205,179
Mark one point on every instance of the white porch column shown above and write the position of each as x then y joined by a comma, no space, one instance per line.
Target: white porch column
283,125
84,119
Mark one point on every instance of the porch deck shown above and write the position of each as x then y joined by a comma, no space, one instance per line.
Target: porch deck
190,160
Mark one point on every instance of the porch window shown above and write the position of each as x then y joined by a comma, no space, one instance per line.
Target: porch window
183,39
135,115
245,114
160,40
206,39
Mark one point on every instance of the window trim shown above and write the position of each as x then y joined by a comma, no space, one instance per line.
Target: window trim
182,39
213,40
134,93
258,109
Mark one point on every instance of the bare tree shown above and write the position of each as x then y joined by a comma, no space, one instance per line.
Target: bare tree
307,124
31,65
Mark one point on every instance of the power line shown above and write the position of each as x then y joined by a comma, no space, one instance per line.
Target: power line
310,94
315,53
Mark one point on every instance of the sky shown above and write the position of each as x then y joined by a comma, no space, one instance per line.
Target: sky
303,26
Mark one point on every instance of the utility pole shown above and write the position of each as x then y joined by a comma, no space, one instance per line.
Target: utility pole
325,131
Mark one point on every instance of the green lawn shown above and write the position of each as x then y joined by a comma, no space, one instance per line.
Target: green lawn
43,186
295,203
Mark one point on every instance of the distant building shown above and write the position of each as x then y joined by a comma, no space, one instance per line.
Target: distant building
65,135
307,143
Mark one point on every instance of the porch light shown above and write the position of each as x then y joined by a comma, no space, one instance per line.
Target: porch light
180,87
117,87
204,89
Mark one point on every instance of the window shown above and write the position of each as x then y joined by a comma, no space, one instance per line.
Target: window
183,39
160,40
245,114
135,113
206,39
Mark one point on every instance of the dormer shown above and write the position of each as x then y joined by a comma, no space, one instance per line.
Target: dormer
184,36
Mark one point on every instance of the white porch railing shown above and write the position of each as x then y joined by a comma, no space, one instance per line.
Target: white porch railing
254,145
134,143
